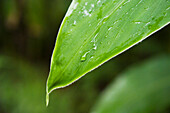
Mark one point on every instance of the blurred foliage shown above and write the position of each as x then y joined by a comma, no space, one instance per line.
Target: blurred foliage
144,88
30,26
27,36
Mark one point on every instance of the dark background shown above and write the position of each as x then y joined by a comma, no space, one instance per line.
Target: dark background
28,30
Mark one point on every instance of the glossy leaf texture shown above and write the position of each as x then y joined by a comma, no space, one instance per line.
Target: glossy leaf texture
144,88
94,31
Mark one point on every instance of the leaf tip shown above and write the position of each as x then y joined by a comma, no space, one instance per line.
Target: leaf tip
47,96
47,99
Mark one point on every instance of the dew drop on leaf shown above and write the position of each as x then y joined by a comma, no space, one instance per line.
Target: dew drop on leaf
137,22
83,58
74,22
95,47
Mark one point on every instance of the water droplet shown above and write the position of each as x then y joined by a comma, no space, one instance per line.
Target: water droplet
168,8
92,5
94,39
116,21
87,13
92,57
75,22
95,47
83,58
137,22
105,19
98,1
126,2
147,24
110,28
90,11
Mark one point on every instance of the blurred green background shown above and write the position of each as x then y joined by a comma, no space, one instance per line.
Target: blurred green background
28,30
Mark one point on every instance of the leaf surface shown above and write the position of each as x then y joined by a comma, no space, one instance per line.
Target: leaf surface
144,88
94,31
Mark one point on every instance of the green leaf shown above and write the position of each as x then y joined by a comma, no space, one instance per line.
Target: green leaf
144,88
94,31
